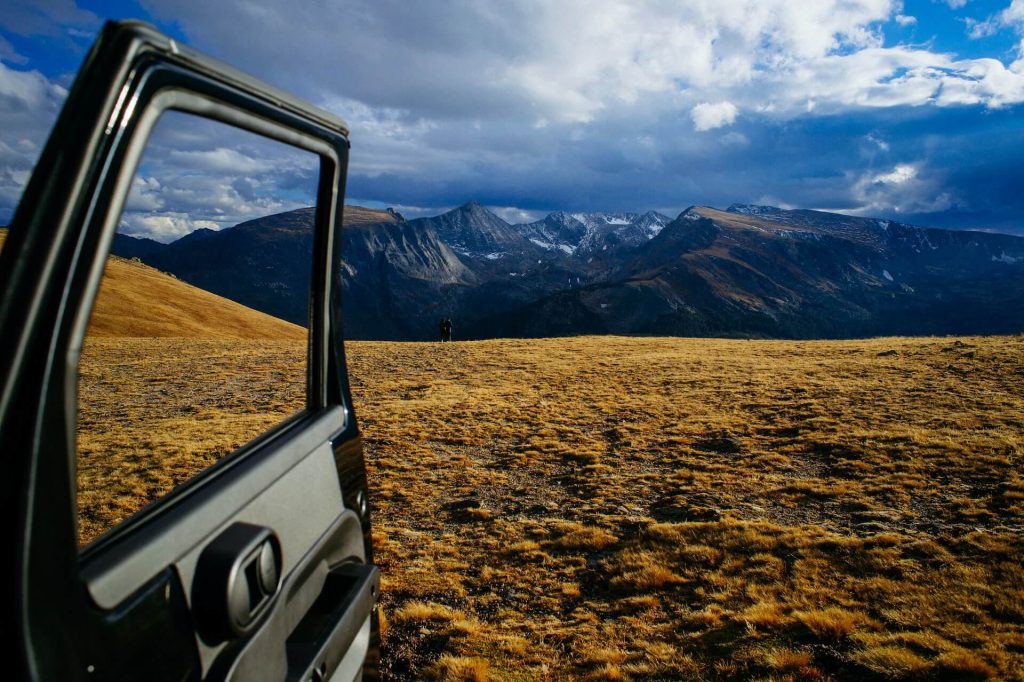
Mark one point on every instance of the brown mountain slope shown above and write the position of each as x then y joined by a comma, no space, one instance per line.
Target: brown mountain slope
360,215
137,300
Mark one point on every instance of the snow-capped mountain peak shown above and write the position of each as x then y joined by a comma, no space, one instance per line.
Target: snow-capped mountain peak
588,232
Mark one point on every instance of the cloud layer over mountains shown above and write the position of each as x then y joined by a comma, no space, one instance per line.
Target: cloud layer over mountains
871,106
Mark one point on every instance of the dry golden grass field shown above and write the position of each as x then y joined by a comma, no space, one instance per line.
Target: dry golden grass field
613,508
172,380
154,412
647,508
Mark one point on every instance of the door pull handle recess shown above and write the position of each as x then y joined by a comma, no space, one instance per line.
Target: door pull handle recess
236,578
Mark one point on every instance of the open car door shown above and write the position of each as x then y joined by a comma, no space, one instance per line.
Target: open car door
257,568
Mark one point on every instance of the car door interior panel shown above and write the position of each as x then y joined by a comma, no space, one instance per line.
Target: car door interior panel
261,566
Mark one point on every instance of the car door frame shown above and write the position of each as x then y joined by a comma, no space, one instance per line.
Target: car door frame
98,613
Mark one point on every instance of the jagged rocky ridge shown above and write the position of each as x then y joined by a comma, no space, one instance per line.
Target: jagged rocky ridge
748,271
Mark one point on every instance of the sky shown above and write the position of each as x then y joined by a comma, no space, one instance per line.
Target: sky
903,110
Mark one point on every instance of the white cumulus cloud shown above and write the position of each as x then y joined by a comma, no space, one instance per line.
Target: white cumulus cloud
28,105
898,175
708,115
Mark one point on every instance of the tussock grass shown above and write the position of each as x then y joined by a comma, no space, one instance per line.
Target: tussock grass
579,537
612,508
459,669
832,623
424,611
892,661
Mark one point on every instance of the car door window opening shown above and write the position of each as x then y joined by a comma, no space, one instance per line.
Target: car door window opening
168,370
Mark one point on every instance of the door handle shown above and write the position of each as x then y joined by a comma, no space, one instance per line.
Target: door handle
323,636
236,578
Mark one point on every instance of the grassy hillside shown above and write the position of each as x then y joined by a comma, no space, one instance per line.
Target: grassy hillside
610,508
136,300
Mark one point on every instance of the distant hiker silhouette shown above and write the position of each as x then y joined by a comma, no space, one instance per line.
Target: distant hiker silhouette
441,328
448,329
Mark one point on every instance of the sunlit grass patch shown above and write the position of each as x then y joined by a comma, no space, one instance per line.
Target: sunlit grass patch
577,536
788,660
832,623
892,661
764,615
963,665
459,669
639,571
424,611
647,577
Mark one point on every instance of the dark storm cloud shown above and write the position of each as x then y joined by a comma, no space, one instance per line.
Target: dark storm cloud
907,164
435,59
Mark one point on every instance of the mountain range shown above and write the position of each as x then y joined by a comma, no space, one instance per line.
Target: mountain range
747,271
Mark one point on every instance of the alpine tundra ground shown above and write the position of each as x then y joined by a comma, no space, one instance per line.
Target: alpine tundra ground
613,508
651,508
